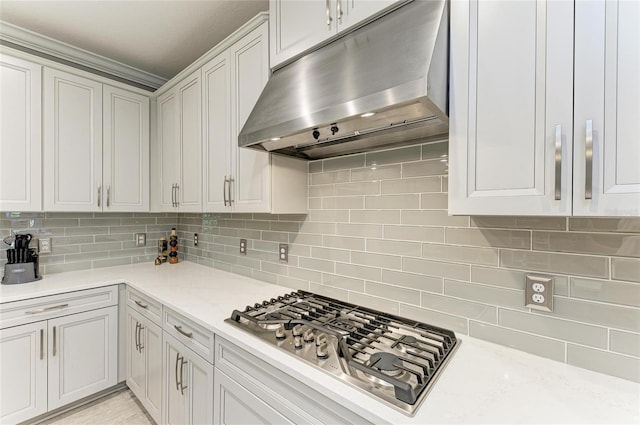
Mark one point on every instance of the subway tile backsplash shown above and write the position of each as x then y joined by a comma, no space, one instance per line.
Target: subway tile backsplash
378,234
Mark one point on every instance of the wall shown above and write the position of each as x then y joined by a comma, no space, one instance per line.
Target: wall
378,234
88,240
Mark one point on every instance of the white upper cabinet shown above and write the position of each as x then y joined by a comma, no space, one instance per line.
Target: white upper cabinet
297,26
515,148
125,150
167,151
20,135
607,108
72,142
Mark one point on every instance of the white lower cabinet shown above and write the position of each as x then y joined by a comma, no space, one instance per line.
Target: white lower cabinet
144,362
188,383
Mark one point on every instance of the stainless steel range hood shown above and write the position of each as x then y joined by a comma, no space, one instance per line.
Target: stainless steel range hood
395,67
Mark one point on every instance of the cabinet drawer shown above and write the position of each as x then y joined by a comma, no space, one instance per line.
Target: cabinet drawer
145,305
192,335
44,308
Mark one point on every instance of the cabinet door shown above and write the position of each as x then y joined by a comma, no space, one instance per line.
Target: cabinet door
72,143
125,150
353,12
190,186
217,140
251,171
135,358
234,404
607,108
20,143
511,107
23,366
83,355
167,151
175,401
297,26
152,352
199,380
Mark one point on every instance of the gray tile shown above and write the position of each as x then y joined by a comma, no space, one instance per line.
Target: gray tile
250,224
357,188
434,201
275,268
601,224
411,280
565,330
343,282
436,268
359,272
343,162
394,247
625,269
111,262
623,245
460,254
315,203
330,254
580,265
304,274
625,342
606,291
72,231
392,202
444,320
376,260
105,246
67,267
414,233
318,228
315,166
104,222
376,173
343,202
362,230
519,239
431,167
342,242
114,238
618,317
513,279
324,190
339,216
433,218
375,216
330,177
462,308
315,264
602,361
339,294
265,277
445,184
65,222
376,303
414,185
484,294
537,345
408,296
435,150
292,283
285,226
535,223
411,153
306,239
71,240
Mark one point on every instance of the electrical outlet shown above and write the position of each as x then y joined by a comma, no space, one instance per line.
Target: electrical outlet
243,246
195,239
538,292
283,252
44,245
141,239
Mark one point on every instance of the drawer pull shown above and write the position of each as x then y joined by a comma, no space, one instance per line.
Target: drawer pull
179,329
43,310
141,305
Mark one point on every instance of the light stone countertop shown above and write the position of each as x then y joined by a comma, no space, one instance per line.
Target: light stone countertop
483,383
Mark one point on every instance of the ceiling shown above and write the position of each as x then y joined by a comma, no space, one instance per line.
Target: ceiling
159,37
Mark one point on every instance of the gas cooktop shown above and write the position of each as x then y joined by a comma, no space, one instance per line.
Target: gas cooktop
396,359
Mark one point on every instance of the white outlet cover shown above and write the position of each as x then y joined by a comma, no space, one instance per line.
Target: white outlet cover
538,292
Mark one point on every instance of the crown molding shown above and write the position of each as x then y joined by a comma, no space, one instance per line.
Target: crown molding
48,46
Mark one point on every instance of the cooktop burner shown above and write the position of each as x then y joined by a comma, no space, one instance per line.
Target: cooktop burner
394,358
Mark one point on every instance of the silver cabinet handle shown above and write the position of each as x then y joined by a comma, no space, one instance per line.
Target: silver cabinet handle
136,337
54,341
173,195
328,8
231,180
182,387
99,194
139,304
558,161
177,195
108,195
41,344
43,310
339,10
224,190
179,329
588,166
140,346
177,382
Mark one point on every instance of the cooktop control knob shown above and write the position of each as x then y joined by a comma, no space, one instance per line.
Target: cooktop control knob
322,351
308,335
297,330
321,339
280,334
297,342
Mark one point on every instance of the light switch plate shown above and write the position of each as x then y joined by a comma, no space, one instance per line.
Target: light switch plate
538,292
44,245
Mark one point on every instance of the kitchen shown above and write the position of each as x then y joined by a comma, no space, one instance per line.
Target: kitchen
402,229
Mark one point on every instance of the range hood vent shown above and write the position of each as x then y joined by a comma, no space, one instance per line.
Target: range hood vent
382,85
